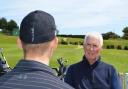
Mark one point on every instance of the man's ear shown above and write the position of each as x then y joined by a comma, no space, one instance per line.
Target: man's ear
55,42
19,43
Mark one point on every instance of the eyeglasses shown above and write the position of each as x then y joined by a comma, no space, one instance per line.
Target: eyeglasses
90,46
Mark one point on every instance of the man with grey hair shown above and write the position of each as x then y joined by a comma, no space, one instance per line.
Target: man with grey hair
91,72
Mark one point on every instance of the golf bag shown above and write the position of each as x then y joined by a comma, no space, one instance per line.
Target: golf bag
4,67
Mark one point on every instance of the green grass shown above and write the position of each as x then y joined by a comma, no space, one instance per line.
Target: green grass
118,58
11,51
116,42
69,39
72,53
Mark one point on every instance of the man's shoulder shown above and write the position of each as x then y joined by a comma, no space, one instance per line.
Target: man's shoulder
106,65
32,81
76,65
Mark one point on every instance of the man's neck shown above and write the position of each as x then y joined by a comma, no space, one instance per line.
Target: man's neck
42,59
92,61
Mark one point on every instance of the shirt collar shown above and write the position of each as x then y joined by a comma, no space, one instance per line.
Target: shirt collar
34,66
85,61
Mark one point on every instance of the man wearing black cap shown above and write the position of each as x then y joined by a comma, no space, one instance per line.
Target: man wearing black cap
38,41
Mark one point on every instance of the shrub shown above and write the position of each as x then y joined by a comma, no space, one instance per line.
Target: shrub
108,46
112,46
70,42
125,47
119,47
76,43
64,41
80,43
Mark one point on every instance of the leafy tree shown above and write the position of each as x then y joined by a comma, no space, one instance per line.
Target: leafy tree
111,35
11,25
7,27
125,31
3,24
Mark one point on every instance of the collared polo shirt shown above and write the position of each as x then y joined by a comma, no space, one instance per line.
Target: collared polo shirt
31,75
100,75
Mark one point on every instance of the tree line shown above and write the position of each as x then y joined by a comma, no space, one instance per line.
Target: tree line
8,26
112,35
106,36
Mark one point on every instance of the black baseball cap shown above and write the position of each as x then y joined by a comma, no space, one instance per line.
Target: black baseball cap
37,27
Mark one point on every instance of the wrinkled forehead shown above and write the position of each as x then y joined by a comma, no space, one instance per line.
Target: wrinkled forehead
92,39
94,36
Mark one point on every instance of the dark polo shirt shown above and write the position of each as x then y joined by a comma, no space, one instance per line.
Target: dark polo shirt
31,75
100,75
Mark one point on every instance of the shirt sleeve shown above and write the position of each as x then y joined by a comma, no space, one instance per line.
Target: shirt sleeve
116,80
69,77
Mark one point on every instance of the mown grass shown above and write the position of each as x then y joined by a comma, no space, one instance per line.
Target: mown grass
118,58
69,39
72,53
116,42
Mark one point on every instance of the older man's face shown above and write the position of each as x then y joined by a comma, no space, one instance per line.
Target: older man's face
92,48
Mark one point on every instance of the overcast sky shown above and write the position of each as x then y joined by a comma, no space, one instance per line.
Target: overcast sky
73,16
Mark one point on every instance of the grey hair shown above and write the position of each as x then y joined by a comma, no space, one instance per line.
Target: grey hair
96,35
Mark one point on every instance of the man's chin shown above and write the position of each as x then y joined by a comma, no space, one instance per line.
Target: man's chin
92,58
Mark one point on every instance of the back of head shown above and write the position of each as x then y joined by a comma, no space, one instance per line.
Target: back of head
37,27
96,35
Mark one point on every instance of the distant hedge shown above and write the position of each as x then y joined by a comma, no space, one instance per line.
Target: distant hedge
66,41
119,47
72,36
